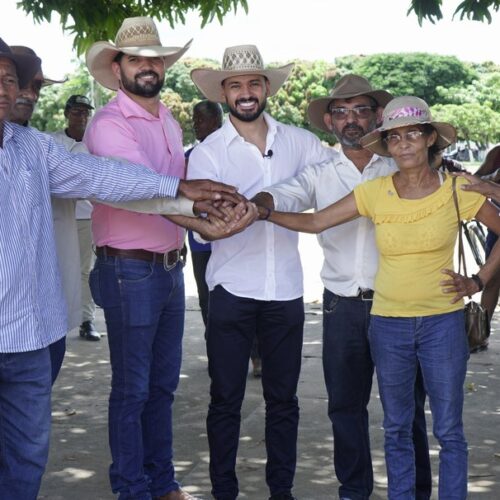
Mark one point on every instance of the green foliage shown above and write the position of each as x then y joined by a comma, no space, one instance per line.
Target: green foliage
476,10
411,74
473,122
90,21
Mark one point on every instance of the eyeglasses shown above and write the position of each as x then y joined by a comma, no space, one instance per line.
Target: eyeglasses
359,112
411,136
9,82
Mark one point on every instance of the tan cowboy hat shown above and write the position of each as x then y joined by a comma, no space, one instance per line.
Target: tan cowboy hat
238,60
348,86
137,36
22,50
402,112
26,65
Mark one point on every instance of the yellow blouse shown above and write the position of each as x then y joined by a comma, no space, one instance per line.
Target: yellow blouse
416,240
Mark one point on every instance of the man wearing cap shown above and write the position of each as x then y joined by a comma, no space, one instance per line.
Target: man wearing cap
77,112
33,311
255,277
137,278
351,110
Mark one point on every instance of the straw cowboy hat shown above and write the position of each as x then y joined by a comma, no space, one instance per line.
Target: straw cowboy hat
137,36
238,60
402,112
26,64
27,51
347,87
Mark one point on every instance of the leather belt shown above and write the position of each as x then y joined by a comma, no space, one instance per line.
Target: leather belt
168,259
364,295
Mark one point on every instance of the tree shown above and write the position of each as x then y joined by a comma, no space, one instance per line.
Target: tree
417,74
477,10
101,19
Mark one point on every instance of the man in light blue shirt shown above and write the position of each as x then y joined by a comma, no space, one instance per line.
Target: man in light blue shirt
32,308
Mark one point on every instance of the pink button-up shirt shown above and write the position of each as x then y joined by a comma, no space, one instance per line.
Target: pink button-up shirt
123,129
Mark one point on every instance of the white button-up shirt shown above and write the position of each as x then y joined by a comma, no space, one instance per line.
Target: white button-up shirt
262,262
351,257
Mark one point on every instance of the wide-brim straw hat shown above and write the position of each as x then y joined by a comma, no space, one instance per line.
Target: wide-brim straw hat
137,36
402,112
347,87
238,60
26,64
28,51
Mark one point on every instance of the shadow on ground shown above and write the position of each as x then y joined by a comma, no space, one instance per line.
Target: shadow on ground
79,457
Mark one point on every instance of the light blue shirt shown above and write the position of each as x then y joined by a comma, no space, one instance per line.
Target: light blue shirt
32,167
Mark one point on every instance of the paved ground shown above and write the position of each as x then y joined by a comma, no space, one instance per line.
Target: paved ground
79,456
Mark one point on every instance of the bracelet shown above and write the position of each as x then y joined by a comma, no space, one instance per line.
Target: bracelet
268,213
478,281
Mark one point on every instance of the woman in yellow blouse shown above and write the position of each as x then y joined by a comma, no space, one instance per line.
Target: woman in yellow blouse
417,307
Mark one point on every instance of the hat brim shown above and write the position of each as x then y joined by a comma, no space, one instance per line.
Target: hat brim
101,54
50,81
209,81
446,135
318,107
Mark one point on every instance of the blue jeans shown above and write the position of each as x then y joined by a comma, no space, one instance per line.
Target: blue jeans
57,350
348,372
439,344
25,386
233,323
144,310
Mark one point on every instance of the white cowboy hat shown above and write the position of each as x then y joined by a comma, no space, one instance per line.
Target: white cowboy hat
402,112
137,36
238,60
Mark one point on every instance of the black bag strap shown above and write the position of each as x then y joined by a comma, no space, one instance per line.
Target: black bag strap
461,253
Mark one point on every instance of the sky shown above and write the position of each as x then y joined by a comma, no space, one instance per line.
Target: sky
285,30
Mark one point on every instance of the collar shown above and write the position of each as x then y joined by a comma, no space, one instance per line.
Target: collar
230,133
131,109
375,158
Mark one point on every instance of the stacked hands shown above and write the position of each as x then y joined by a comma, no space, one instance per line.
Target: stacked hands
221,211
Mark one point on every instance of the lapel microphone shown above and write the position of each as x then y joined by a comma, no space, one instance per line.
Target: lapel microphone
269,154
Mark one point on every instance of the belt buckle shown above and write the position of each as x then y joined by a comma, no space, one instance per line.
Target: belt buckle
366,295
170,265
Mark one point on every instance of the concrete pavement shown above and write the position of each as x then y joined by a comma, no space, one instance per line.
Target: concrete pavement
79,456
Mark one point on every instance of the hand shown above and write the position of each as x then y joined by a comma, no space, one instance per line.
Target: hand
458,284
217,208
240,217
486,188
197,190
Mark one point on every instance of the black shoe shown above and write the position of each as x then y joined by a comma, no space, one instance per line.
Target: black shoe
282,496
88,331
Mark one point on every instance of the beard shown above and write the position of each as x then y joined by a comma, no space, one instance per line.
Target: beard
147,89
350,135
247,116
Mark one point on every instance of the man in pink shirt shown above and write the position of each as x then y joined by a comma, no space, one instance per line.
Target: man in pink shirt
138,278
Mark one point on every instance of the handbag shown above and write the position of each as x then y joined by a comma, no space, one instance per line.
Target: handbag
477,325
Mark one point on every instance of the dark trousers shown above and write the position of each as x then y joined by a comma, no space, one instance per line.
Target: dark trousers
200,262
233,323
348,371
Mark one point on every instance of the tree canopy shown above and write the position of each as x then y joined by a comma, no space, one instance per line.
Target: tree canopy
100,19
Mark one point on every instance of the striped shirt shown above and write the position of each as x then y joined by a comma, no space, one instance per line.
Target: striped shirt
32,167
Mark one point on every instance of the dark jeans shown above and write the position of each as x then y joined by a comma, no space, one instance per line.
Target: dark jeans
233,323
200,262
438,344
144,310
25,387
348,371
57,350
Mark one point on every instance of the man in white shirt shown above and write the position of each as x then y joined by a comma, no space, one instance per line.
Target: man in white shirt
77,113
254,277
352,110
